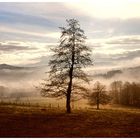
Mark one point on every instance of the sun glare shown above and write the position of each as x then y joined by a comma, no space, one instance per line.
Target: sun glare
109,8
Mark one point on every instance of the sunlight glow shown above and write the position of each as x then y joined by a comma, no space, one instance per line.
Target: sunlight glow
109,8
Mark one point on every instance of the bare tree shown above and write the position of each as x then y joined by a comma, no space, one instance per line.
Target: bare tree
98,95
66,65
115,91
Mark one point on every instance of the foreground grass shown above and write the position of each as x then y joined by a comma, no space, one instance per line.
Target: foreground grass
16,121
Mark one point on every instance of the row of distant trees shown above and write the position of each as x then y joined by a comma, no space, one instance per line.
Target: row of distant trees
125,93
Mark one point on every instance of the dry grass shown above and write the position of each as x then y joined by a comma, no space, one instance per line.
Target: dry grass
16,121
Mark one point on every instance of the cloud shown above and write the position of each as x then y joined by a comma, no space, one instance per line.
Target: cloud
33,35
126,43
26,19
125,40
129,55
126,59
108,8
112,29
41,60
36,21
126,27
118,51
14,47
24,53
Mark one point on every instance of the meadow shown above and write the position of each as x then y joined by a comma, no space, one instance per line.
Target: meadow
38,121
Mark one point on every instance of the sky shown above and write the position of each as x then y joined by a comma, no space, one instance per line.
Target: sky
112,27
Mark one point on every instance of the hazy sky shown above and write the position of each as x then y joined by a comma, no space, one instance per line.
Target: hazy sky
28,30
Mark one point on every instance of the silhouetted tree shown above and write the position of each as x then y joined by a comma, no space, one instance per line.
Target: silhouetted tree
66,65
135,97
115,91
126,93
98,95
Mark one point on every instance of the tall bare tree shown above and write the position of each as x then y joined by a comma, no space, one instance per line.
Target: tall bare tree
66,72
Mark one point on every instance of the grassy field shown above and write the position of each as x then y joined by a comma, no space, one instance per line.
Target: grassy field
19,121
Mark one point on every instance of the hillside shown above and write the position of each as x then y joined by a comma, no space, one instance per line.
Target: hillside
14,73
10,67
132,72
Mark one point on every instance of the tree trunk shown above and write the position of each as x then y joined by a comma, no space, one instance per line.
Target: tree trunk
68,106
68,100
97,106
98,101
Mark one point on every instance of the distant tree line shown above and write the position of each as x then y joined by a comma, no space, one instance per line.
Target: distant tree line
125,93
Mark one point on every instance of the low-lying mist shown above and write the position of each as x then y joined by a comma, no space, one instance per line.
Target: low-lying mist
22,83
